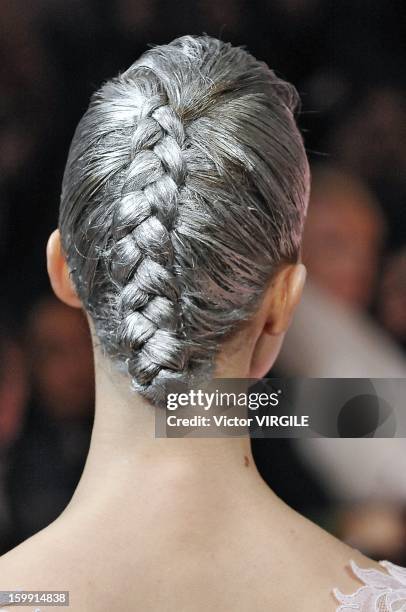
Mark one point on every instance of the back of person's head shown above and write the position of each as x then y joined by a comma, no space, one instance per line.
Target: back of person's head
185,187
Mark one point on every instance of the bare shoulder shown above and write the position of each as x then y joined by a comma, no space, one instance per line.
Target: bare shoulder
70,556
54,560
346,567
328,563
28,564
41,563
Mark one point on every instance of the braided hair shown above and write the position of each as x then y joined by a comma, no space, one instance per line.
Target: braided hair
186,184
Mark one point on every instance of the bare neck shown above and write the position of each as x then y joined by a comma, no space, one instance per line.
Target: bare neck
126,460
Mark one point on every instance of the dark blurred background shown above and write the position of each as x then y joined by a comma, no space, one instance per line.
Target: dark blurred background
347,59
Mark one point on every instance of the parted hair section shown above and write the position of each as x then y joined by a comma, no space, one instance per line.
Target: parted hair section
186,185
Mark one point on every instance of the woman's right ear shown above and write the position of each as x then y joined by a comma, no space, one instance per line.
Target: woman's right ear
59,273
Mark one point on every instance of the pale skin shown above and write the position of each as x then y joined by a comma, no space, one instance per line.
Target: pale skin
185,525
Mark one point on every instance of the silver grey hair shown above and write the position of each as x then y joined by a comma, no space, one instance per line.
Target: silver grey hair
185,186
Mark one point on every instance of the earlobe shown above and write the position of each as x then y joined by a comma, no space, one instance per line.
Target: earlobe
58,272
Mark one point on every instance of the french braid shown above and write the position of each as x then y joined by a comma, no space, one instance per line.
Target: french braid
143,255
186,185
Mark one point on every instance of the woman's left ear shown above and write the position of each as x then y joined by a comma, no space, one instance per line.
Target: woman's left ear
59,273
279,304
286,291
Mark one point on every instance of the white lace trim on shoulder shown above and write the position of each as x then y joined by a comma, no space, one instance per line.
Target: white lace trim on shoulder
382,592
